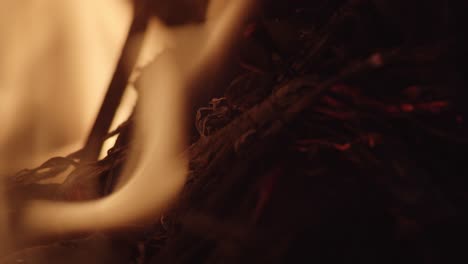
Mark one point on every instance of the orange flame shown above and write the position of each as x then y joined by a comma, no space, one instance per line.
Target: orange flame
156,169
56,60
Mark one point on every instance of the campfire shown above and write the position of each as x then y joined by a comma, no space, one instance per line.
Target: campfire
241,131
156,159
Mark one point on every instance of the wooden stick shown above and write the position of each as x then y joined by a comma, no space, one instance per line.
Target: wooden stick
118,84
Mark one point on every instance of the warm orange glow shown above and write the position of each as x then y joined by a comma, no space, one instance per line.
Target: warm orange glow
156,170
57,58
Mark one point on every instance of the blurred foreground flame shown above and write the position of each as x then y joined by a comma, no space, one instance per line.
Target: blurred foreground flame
156,168
56,59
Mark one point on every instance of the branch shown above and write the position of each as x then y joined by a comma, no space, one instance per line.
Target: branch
117,86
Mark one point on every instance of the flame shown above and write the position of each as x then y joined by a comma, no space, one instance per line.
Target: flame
156,168
57,58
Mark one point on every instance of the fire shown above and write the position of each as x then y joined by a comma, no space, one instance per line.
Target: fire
156,168
56,60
